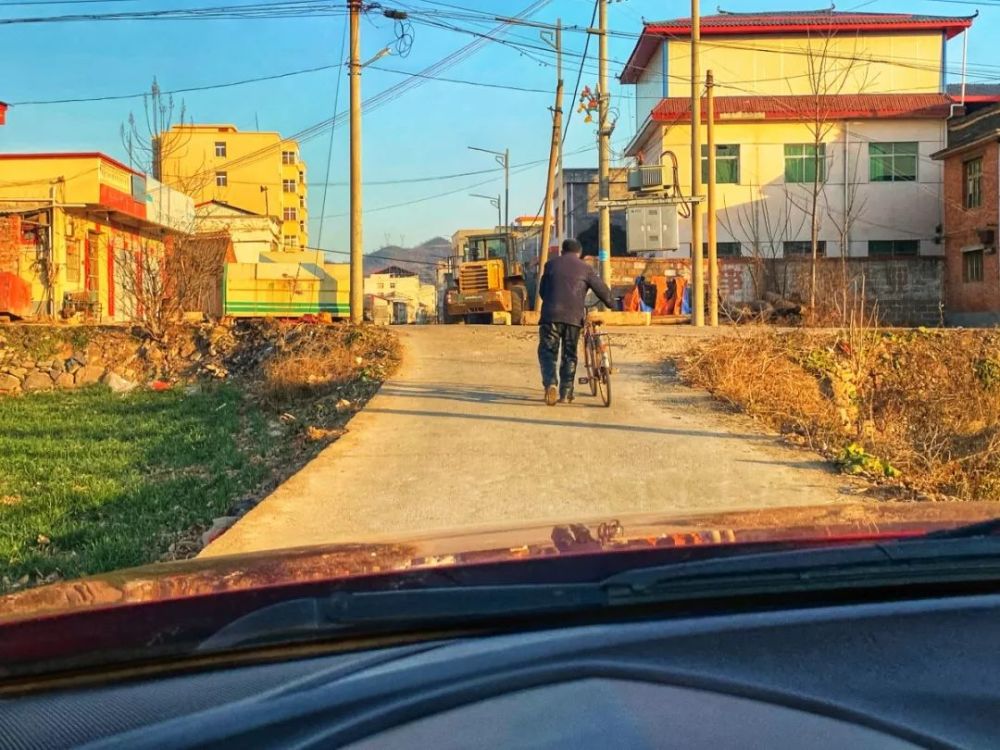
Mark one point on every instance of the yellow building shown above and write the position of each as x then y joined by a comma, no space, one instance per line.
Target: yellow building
260,172
76,232
855,103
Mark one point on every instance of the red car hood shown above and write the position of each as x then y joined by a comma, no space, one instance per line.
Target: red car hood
215,575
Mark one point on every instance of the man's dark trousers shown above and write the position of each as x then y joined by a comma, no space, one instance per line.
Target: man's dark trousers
551,336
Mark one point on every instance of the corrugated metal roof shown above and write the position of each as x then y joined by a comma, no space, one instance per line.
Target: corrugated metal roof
844,106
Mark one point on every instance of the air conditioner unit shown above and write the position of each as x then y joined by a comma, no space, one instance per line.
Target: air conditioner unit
987,237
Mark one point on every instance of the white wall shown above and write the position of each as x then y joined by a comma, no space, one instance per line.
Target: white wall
882,210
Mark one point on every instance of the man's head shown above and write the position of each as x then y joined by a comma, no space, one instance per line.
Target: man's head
571,245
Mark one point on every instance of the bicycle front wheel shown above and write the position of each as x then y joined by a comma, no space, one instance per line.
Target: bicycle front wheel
590,363
604,385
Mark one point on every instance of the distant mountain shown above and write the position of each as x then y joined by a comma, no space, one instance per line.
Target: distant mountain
419,259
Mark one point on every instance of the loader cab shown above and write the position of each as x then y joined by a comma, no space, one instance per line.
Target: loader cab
485,248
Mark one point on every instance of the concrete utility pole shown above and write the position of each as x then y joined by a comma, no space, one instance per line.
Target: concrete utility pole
357,260
697,267
604,150
713,253
554,150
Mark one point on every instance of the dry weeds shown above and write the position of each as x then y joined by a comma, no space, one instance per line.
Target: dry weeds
919,409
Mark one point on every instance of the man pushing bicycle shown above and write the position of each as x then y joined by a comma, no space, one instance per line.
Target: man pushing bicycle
565,283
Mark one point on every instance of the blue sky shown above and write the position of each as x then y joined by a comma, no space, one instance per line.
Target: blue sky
424,132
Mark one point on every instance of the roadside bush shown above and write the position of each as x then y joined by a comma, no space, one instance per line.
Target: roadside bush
918,407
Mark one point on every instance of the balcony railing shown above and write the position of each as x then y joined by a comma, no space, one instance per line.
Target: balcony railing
645,178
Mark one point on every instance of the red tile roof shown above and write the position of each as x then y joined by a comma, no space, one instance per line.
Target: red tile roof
784,22
834,107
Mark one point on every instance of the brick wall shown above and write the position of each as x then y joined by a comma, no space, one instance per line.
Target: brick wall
960,225
908,290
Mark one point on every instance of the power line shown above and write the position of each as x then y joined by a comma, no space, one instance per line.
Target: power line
333,129
386,95
186,90
403,204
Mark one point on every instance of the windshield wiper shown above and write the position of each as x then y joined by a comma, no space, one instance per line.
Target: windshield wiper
915,561
981,528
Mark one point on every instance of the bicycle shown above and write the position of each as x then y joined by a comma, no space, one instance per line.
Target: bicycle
597,358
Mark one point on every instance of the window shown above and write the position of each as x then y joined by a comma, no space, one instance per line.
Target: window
805,162
302,201
288,186
290,240
892,162
302,177
288,157
973,170
804,247
221,179
887,248
727,164
302,227
972,265
220,148
289,214
73,260
724,249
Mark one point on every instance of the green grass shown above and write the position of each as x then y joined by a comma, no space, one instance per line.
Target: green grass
91,481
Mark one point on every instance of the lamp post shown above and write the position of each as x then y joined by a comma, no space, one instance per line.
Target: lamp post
503,159
495,202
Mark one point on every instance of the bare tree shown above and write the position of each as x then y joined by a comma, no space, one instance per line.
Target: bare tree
161,281
763,228
143,140
843,221
828,74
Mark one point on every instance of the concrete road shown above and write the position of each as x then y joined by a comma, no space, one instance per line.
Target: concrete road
461,437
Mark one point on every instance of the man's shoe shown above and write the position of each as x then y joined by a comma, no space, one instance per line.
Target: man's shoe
566,398
551,395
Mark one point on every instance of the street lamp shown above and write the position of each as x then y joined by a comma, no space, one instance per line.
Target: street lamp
495,202
503,159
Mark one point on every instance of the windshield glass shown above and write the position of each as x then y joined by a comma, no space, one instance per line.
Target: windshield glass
240,352
486,248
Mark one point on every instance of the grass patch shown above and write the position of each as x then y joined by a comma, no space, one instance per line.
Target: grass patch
91,481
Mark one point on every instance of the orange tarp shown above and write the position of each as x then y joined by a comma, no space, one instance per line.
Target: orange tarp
665,305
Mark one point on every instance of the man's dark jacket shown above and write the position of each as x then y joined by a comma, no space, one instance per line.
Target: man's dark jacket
564,286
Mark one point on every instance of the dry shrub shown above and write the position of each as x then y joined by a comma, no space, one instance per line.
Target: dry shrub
921,404
311,362
291,377
755,373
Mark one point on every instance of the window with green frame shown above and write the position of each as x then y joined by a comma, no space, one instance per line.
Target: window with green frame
724,249
727,164
803,161
892,162
884,248
803,247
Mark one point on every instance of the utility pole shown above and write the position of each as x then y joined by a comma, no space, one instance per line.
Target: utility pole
697,267
713,253
604,150
506,197
357,268
554,150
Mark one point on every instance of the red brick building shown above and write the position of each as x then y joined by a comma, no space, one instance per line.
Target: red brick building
971,215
